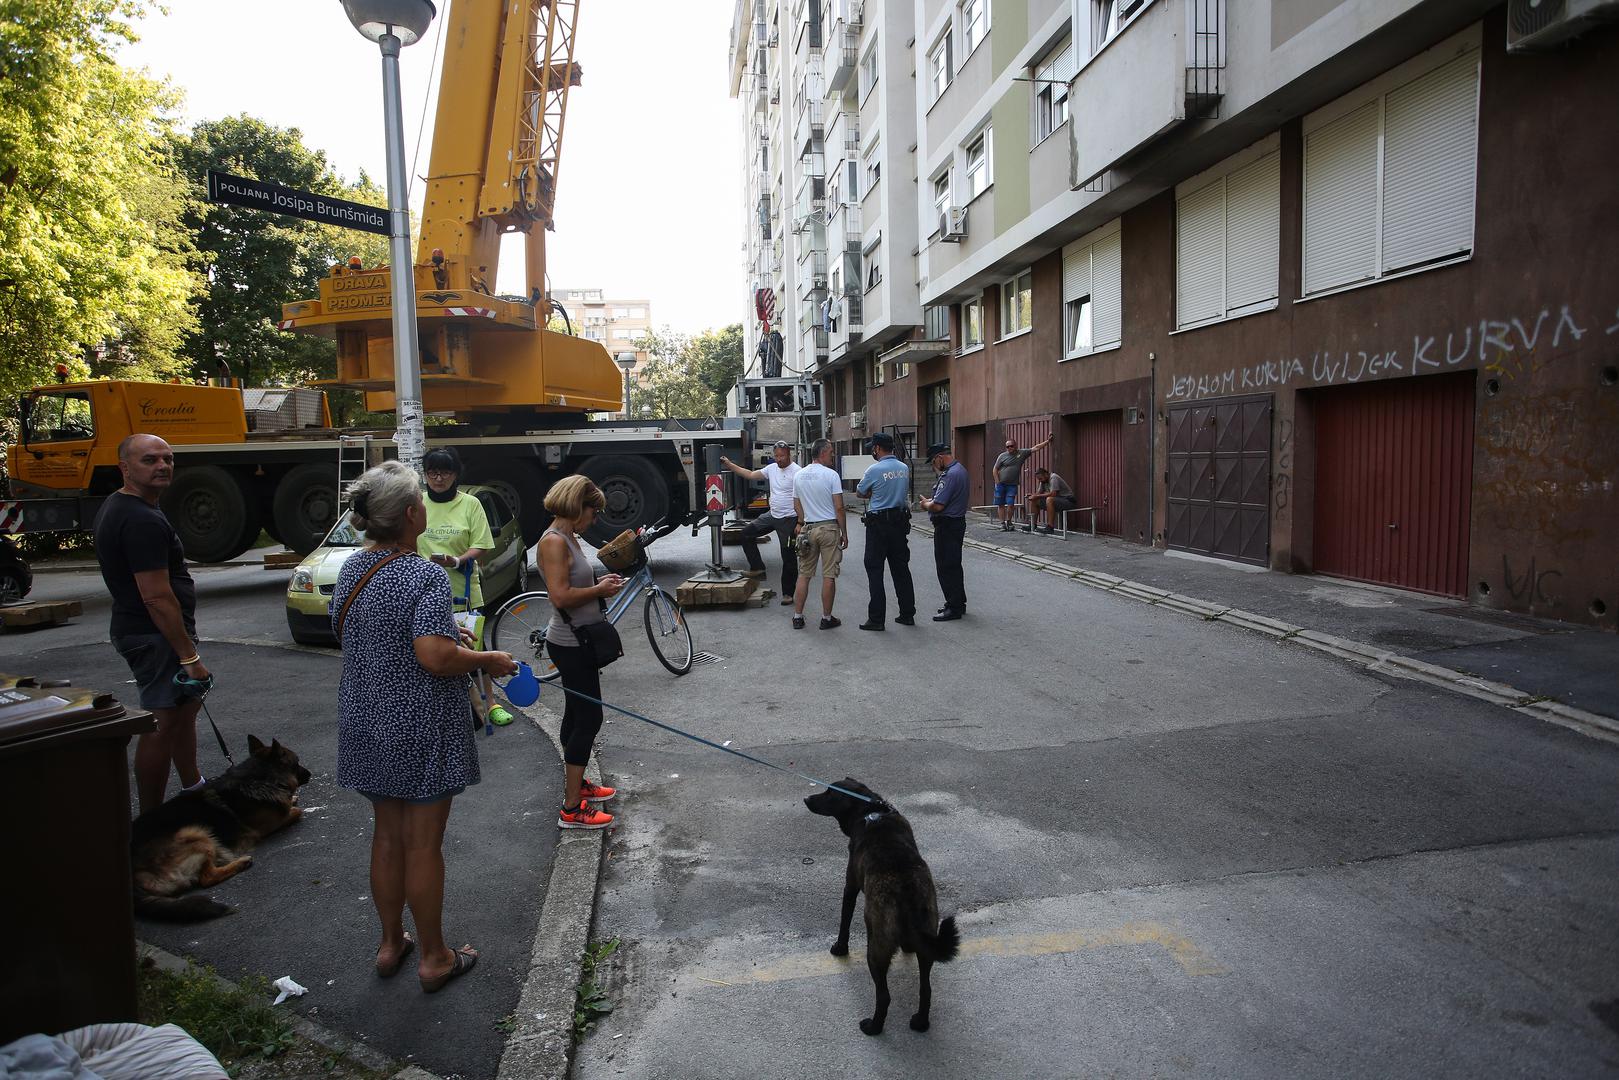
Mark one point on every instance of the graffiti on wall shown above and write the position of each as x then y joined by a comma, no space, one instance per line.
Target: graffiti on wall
1283,481
1503,346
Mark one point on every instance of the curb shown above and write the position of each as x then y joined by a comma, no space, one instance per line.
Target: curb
369,1056
1370,657
540,1045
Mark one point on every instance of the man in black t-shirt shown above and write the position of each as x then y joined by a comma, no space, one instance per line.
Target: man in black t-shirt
154,604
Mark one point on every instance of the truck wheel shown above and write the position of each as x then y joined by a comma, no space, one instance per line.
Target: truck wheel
211,511
306,506
521,485
636,495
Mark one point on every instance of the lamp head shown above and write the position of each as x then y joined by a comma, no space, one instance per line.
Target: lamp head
406,20
626,361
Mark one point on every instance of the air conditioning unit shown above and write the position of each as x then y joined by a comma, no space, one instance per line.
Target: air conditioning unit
953,224
1540,24
857,419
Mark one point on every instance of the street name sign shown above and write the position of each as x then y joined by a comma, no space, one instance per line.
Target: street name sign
264,195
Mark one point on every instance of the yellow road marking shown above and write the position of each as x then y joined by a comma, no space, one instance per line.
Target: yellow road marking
1192,959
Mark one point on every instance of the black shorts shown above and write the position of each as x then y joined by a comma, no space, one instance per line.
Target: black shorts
154,665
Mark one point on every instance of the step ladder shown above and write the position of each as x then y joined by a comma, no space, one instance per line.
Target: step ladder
353,458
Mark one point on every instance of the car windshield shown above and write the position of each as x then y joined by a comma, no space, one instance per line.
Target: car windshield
344,535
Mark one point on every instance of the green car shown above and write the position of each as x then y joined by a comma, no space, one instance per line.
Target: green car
309,593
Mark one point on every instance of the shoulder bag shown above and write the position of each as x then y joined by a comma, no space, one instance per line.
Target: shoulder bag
600,638
358,585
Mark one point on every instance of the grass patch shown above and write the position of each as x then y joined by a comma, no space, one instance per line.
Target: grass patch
590,1001
237,1023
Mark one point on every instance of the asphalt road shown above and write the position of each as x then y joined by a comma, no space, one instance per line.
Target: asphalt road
304,908
1174,848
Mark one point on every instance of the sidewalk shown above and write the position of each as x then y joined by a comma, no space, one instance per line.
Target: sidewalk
1560,672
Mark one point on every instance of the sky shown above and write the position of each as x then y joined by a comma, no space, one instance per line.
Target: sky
649,191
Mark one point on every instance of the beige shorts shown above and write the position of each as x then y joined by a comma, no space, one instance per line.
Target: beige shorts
819,543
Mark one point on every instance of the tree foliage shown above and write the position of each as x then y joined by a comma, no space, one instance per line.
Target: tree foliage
252,262
95,275
687,376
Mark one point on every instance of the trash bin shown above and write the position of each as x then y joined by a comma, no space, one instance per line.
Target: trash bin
65,896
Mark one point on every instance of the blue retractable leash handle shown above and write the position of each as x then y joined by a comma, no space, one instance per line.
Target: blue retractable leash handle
198,688
524,689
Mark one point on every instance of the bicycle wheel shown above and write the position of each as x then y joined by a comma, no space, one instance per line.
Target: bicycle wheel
518,627
668,631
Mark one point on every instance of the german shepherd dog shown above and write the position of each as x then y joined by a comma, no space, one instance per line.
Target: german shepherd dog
199,838
901,906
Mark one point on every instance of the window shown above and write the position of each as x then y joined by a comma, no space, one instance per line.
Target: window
868,71
1227,238
901,370
941,194
972,324
1093,317
876,372
1389,186
978,168
60,417
1017,304
621,313
974,24
873,166
936,323
637,313
936,411
1108,17
939,68
874,271
1051,77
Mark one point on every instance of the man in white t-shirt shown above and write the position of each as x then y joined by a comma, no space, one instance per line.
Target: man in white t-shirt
780,519
823,531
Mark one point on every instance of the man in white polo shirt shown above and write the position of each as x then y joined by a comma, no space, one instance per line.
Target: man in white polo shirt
823,532
782,518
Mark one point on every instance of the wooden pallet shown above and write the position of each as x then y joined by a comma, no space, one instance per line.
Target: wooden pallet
696,592
281,560
32,613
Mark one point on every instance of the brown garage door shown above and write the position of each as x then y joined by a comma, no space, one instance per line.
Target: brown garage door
1393,482
1099,452
1219,479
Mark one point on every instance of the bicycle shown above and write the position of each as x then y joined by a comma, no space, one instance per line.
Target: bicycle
519,625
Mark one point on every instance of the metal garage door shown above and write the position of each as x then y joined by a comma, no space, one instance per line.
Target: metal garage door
1219,479
1029,431
1098,453
1393,482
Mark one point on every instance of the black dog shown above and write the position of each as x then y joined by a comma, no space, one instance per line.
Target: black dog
902,909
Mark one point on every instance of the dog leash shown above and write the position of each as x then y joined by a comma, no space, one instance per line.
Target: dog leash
717,746
199,689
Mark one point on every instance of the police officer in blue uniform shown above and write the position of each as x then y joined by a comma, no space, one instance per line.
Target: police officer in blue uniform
886,487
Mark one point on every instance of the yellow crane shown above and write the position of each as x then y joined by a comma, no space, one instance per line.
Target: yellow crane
497,151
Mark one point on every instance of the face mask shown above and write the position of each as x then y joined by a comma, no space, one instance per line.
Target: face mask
446,496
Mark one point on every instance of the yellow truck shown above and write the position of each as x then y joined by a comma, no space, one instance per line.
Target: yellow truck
519,394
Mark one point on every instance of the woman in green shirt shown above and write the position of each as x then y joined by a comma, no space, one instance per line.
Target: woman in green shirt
457,534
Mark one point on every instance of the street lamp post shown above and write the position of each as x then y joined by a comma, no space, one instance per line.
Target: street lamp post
393,24
626,360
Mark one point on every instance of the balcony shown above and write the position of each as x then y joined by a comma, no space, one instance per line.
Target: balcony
1173,57
843,43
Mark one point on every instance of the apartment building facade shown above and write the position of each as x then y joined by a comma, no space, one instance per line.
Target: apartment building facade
1320,285
619,325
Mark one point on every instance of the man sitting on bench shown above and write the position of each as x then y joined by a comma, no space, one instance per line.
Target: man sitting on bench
1053,495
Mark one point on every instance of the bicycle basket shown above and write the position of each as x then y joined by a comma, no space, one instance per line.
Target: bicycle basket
622,552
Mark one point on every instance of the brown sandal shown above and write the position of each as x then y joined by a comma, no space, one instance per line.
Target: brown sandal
388,971
465,961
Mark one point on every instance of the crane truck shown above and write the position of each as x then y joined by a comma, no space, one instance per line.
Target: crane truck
519,394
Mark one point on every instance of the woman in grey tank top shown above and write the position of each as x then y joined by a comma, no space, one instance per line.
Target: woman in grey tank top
574,503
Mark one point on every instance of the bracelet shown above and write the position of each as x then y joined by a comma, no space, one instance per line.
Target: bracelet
195,657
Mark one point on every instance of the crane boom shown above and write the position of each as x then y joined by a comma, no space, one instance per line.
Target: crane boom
497,148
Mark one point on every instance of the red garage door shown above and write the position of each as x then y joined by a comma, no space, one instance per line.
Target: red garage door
1099,439
1393,482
